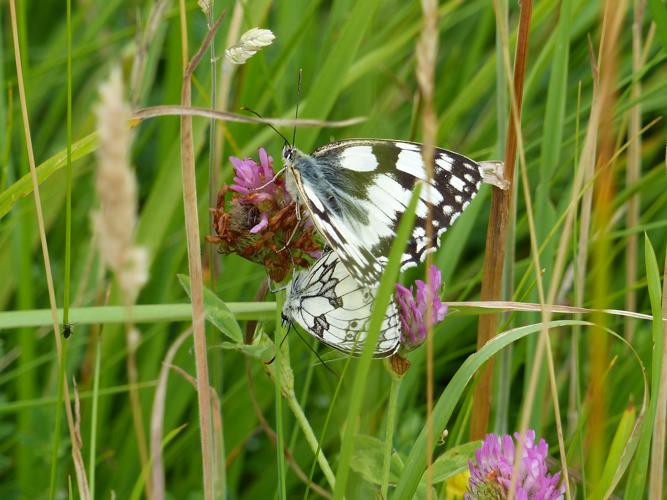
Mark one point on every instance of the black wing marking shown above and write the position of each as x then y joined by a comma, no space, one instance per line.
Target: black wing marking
330,305
357,190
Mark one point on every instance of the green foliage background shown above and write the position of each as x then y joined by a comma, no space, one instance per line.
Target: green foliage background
358,59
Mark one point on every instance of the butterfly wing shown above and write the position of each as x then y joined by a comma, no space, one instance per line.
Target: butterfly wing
357,190
331,306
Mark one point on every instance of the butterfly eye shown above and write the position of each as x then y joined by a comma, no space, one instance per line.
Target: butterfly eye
288,152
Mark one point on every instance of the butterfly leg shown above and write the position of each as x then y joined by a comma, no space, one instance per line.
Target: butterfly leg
278,174
296,228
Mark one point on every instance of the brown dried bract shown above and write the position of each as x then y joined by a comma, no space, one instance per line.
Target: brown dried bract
399,364
233,219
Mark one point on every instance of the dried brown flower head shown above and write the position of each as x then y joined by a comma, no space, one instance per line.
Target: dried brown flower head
259,220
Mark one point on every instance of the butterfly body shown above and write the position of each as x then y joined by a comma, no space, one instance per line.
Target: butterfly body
356,191
332,306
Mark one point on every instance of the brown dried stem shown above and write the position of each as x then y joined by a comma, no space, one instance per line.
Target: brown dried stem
613,12
496,235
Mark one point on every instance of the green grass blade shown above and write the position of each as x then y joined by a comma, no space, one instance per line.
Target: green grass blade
23,187
659,15
145,313
384,294
450,397
636,483
327,85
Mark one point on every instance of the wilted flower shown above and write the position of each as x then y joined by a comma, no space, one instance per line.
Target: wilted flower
249,44
412,310
491,476
260,220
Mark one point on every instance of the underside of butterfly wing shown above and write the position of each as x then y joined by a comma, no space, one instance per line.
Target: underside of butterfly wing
331,306
357,191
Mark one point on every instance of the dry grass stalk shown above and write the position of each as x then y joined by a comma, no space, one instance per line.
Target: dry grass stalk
114,226
194,259
173,110
115,222
634,167
613,12
157,417
81,479
143,42
543,344
427,49
496,236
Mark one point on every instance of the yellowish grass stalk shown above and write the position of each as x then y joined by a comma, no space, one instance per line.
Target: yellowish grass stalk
427,50
634,167
613,14
543,342
194,258
82,481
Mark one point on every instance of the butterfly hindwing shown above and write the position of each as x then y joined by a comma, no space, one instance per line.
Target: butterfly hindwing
357,190
331,306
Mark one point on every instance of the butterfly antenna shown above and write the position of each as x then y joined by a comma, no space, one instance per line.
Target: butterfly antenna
314,351
281,344
245,108
298,99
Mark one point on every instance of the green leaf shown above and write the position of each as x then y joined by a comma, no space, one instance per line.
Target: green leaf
216,312
367,459
262,351
453,461
618,445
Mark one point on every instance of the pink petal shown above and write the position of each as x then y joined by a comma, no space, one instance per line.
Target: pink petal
262,224
266,163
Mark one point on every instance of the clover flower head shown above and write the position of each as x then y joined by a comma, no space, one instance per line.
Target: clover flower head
412,309
259,221
491,474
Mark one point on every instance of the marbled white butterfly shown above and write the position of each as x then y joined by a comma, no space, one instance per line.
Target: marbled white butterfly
332,307
356,191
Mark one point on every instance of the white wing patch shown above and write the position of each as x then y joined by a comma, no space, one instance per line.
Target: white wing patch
410,162
359,159
331,306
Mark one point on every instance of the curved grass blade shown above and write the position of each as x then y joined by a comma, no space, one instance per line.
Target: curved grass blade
416,461
384,294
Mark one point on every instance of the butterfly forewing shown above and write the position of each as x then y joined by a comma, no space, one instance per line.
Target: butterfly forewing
333,307
357,190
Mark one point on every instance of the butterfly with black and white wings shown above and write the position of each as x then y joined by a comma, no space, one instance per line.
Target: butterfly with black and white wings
333,307
356,191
